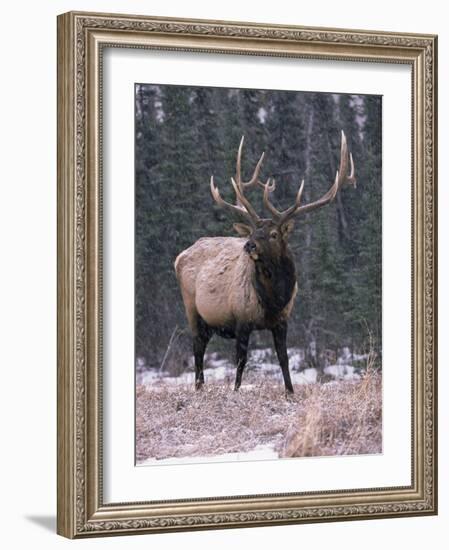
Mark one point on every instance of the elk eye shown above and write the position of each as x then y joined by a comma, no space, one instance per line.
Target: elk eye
274,235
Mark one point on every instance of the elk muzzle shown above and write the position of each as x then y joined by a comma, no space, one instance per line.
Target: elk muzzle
251,249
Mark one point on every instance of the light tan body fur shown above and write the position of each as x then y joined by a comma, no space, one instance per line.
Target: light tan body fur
216,279
232,286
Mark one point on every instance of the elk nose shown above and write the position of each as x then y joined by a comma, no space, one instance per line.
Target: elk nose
249,247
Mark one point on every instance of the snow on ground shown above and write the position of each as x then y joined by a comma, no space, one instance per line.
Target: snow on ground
337,411
260,452
175,423
260,361
307,376
342,372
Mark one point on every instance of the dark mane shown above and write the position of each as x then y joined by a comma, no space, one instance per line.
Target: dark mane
274,281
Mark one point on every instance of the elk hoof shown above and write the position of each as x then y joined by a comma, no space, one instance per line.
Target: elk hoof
199,385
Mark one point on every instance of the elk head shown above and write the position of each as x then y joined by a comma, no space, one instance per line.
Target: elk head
267,238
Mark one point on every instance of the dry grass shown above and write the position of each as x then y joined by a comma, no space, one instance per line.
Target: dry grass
338,418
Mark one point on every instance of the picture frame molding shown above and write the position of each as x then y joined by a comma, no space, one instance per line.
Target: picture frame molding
81,39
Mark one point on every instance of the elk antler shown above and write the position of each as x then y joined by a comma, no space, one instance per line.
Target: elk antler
243,207
247,214
242,185
341,178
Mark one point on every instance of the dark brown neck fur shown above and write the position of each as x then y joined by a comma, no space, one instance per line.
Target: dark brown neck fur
274,281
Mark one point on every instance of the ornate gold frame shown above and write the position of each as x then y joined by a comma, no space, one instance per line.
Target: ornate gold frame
81,37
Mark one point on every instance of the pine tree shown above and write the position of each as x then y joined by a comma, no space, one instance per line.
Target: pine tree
186,134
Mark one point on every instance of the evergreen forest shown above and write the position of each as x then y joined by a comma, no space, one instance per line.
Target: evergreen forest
183,135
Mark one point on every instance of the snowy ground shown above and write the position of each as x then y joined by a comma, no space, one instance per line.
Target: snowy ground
175,423
260,452
260,361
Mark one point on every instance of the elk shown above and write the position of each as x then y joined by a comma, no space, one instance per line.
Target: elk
232,286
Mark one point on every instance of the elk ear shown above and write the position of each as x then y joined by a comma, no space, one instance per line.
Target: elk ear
242,229
287,228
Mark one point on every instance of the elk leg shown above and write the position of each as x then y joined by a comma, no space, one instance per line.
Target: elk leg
200,341
241,355
280,343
